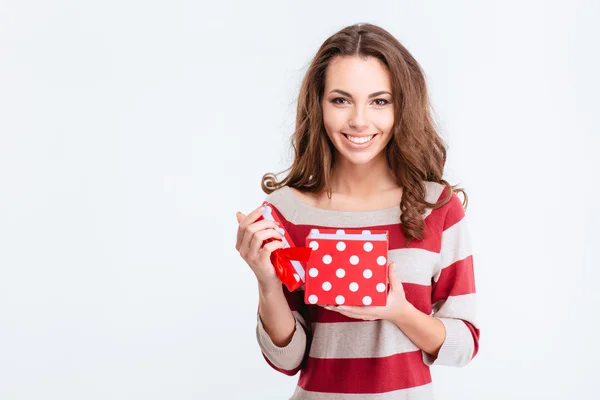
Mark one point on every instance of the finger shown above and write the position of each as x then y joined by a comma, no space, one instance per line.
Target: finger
270,248
252,217
352,309
240,233
252,230
259,237
240,217
245,222
395,281
392,276
348,313
361,312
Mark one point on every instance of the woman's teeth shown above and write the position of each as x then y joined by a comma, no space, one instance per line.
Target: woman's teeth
359,140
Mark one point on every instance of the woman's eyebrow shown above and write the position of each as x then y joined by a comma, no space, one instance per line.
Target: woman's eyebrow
371,95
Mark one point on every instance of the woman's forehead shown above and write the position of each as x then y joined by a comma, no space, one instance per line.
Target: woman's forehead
357,74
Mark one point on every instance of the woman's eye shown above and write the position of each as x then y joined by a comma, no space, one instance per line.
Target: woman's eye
337,100
381,102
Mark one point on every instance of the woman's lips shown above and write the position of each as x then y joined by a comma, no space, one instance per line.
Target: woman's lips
361,145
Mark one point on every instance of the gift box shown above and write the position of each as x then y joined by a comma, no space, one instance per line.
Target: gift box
347,266
289,262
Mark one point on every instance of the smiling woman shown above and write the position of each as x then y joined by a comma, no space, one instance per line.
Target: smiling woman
355,118
363,110
367,156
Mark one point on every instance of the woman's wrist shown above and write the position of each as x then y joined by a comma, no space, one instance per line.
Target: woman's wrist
405,314
268,290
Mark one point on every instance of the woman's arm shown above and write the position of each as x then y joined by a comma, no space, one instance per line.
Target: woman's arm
453,296
281,329
426,332
276,316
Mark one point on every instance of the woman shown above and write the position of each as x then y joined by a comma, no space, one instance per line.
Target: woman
367,156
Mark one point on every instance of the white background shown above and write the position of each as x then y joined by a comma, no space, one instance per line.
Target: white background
132,131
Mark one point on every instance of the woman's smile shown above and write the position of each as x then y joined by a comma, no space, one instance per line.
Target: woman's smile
359,142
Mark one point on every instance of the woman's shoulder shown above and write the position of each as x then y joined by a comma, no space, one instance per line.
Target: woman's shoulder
283,200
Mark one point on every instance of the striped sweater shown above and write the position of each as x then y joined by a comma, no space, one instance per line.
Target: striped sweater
343,358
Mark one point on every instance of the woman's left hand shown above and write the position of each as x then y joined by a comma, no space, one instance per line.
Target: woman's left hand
394,309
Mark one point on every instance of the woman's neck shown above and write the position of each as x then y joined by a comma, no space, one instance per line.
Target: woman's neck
362,180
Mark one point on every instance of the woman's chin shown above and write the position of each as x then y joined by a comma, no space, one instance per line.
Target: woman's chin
359,158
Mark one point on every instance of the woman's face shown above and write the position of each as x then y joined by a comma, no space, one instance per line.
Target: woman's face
357,107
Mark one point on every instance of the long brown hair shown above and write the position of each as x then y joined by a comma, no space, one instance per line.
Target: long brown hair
415,153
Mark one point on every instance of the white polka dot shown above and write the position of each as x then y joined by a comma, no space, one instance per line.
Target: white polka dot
381,287
340,232
341,246
367,273
313,272
314,245
354,260
326,286
354,286
312,299
366,300
340,299
381,260
326,259
366,232
368,246
340,273
297,277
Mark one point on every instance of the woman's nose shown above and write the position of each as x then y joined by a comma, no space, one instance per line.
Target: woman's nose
358,119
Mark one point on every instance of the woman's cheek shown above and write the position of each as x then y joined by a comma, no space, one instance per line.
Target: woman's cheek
385,121
335,120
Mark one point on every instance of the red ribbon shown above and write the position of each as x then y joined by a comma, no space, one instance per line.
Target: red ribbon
281,261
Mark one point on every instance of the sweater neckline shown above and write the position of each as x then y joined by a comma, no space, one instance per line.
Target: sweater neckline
325,212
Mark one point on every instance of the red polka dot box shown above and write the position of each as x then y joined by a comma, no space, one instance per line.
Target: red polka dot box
347,266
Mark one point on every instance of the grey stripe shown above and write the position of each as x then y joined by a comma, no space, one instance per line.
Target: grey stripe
414,265
424,392
288,357
365,339
297,211
463,306
457,349
456,245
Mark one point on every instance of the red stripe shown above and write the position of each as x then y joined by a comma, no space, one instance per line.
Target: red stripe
295,300
354,375
475,333
455,280
430,242
454,211
417,295
321,315
283,371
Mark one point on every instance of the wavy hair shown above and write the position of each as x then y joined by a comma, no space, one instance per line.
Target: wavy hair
415,153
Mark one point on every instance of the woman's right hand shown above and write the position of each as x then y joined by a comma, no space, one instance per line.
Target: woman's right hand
250,237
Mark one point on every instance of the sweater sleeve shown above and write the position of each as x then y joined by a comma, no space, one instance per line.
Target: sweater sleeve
453,292
288,359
